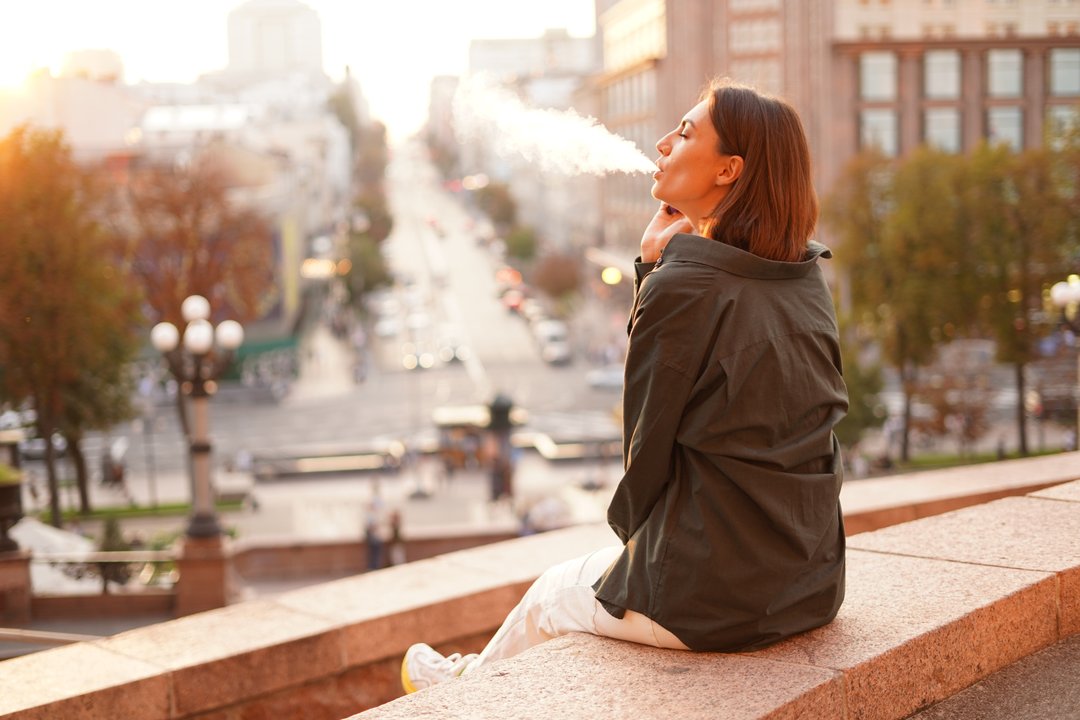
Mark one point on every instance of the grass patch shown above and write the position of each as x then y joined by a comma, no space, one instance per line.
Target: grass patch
937,461
122,512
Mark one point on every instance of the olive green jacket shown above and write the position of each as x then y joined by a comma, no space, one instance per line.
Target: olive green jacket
729,505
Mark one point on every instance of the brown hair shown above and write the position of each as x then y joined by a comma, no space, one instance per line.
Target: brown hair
771,209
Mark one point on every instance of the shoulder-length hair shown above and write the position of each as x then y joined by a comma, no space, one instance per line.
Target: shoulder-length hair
771,209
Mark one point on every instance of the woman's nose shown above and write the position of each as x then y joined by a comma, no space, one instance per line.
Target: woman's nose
663,146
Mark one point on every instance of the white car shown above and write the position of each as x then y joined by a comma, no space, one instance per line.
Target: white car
556,352
608,377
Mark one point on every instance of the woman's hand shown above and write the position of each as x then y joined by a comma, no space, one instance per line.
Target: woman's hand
664,225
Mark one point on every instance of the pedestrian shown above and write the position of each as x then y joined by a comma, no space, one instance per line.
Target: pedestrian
397,542
728,509
375,533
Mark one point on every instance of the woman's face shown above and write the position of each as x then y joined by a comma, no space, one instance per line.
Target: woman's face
691,177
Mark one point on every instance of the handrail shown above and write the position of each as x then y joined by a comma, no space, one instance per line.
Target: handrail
119,556
43,637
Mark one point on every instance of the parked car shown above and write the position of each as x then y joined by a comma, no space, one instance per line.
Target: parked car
556,352
34,448
608,377
548,331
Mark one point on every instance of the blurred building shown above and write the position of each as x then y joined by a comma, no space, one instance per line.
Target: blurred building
274,38
889,73
547,72
265,116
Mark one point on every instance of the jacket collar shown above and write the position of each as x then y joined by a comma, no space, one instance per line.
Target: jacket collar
694,248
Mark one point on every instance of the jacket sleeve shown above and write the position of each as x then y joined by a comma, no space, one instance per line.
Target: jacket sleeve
669,333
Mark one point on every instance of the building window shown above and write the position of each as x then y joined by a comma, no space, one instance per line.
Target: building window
1061,122
877,128
941,74
1065,71
941,129
1006,125
877,76
1004,73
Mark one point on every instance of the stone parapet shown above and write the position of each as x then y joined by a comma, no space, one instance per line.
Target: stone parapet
932,606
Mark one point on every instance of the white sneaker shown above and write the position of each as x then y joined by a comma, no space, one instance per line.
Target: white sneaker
423,666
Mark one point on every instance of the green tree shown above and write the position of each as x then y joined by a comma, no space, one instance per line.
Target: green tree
499,205
863,380
1019,216
902,251
113,541
521,243
67,308
368,270
372,156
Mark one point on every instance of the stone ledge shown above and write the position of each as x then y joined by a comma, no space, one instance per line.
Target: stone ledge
875,503
922,620
304,642
933,606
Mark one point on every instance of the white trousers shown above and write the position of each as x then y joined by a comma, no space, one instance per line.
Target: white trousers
562,601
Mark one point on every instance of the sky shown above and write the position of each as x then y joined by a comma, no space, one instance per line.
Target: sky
393,47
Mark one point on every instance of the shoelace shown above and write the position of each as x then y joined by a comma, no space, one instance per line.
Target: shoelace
455,663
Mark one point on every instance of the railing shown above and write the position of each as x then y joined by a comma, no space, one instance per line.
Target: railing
42,637
155,568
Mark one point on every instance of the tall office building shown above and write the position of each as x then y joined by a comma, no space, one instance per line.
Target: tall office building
274,37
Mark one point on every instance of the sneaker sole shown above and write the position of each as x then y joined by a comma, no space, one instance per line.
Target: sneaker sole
406,683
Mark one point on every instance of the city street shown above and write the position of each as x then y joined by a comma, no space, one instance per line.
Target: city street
448,288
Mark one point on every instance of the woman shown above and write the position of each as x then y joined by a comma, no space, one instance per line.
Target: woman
728,510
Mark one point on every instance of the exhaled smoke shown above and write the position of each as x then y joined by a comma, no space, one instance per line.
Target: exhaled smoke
556,140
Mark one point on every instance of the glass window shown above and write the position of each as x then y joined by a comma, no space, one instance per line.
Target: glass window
877,76
1061,121
941,74
1006,125
1004,73
1065,71
942,129
877,128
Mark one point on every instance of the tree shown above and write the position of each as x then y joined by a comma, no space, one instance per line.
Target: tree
495,200
368,270
902,247
372,156
112,540
185,237
557,275
521,243
1019,222
67,308
863,380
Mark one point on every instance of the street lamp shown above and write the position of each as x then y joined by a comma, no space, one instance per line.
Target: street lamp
1066,296
197,368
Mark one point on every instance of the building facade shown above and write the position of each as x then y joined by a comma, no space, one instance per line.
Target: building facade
893,74
546,72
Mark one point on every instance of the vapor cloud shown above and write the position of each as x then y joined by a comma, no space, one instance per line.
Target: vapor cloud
558,141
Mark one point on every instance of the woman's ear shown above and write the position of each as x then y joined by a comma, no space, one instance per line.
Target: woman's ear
730,171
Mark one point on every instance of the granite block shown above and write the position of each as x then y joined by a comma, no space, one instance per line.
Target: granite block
227,656
912,631
579,676
1028,533
81,682
1070,492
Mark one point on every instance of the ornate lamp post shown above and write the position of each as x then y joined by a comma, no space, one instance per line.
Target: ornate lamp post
196,365
1066,296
